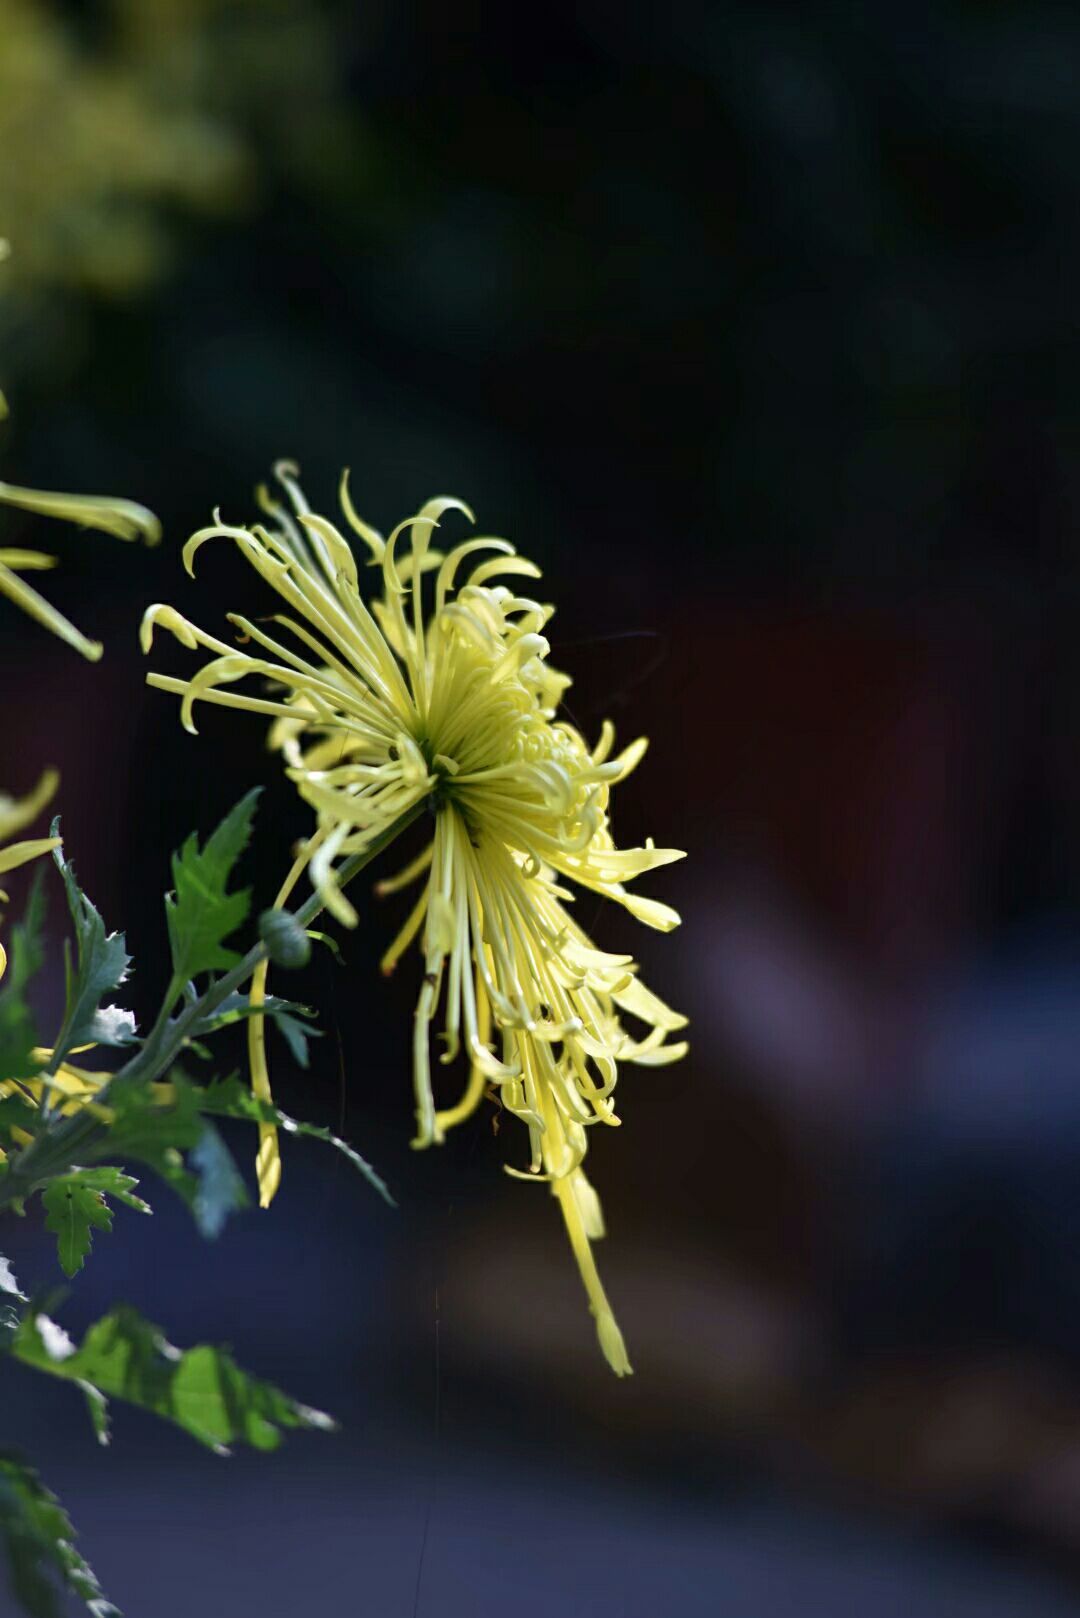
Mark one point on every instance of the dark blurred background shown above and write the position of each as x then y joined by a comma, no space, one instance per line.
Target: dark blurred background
756,326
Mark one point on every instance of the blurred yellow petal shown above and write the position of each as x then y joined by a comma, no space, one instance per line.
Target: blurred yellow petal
124,519
15,813
36,606
21,853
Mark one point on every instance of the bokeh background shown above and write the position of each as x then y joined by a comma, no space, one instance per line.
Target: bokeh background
756,325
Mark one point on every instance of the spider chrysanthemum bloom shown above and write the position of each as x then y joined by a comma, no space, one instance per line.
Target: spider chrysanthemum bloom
440,694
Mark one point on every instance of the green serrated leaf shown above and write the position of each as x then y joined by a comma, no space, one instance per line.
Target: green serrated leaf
39,1537
200,913
101,965
107,1177
202,1390
113,1025
76,1205
73,1210
231,1098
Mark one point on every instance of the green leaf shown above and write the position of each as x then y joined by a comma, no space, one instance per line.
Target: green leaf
113,1025
221,1191
149,1132
107,1177
231,1098
39,1538
286,1014
72,1210
145,1129
202,1390
296,1035
101,966
200,913
17,1112
18,1035
97,1407
236,1007
75,1205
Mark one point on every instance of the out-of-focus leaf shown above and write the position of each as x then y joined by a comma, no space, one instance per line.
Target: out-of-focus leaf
158,1125
17,1112
8,1282
220,1190
40,1545
155,1132
98,1410
235,1007
9,1324
18,1035
285,1013
75,1205
296,1035
101,963
200,913
144,1116
113,1025
201,1389
231,1098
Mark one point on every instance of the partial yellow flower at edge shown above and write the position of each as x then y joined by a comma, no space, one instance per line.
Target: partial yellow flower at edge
450,703
69,1090
124,519
74,1087
15,813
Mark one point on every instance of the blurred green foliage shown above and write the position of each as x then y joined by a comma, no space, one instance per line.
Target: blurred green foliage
120,120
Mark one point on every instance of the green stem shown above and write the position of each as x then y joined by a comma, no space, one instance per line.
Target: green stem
55,1150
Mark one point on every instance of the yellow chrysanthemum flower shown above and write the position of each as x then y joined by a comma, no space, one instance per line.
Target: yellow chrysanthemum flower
387,708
